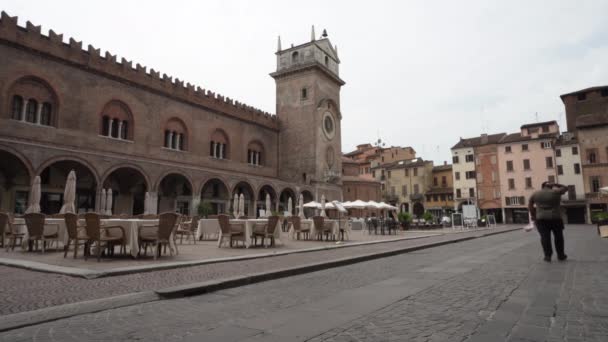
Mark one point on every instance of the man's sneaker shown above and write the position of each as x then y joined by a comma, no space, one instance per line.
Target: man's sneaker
563,258
547,259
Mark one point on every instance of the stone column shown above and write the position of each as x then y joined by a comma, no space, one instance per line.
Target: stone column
168,139
213,149
588,216
119,135
178,140
255,207
194,205
153,203
38,113
24,110
221,152
111,123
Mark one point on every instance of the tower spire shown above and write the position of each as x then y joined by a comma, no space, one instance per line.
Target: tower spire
279,44
312,34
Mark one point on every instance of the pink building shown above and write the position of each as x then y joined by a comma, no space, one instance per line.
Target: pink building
526,160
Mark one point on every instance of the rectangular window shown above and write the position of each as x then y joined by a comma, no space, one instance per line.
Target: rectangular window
558,152
455,159
444,181
415,171
551,179
303,94
571,192
435,182
374,174
469,158
470,175
524,147
509,165
526,164
388,174
528,182
577,168
592,156
471,192
407,172
511,184
496,193
549,162
545,144
404,190
507,149
560,170
595,183
574,150
457,175
416,190
545,129
493,160
458,193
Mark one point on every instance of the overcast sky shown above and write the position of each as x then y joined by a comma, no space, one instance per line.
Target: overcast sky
418,73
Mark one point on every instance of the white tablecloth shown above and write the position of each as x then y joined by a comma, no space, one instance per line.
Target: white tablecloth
211,227
131,227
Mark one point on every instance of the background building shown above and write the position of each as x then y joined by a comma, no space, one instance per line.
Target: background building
569,173
358,186
406,182
128,128
463,167
440,196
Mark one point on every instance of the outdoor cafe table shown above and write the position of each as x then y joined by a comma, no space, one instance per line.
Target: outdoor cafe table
131,227
208,227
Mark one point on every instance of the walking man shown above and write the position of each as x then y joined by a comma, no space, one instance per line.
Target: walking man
545,210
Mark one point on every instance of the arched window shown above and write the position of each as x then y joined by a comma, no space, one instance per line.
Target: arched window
33,101
17,107
295,56
255,153
219,145
32,107
175,135
45,114
116,121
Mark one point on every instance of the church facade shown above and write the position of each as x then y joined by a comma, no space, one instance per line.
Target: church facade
125,127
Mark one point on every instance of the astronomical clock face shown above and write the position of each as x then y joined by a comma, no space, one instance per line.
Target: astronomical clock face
329,125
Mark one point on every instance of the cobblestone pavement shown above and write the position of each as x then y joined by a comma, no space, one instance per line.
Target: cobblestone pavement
491,289
22,290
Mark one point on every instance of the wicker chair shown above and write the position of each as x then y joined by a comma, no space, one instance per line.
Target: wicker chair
188,229
9,235
296,221
228,232
266,231
94,232
320,228
161,236
35,228
76,234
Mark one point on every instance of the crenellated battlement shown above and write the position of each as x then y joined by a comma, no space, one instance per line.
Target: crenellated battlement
31,37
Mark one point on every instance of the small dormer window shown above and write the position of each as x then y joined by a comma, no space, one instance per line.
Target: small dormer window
303,94
295,56
327,61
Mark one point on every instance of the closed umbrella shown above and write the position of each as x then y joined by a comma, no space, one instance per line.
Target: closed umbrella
109,202
235,206
268,210
34,206
323,205
242,205
301,204
102,202
289,206
604,190
69,194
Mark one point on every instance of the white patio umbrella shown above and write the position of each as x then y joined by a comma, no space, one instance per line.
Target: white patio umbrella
301,205
312,204
109,202
34,206
358,204
102,202
69,194
268,209
289,206
323,206
235,206
604,190
147,204
242,205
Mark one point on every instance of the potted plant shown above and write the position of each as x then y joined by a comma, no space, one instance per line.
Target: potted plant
600,218
204,209
404,219
427,216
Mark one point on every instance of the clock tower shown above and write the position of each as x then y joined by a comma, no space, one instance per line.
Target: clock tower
308,108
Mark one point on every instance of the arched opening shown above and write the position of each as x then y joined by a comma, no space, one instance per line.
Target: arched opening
248,195
33,101
129,188
14,184
175,194
116,121
404,207
215,192
255,153
284,197
175,135
266,189
307,196
53,180
295,57
418,209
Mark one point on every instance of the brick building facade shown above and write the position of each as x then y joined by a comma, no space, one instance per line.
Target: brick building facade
124,127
